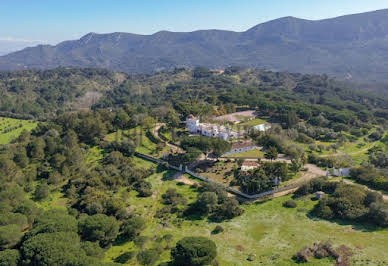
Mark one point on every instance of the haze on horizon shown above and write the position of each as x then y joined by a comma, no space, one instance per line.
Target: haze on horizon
41,22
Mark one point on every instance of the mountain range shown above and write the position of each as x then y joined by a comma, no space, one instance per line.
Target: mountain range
351,47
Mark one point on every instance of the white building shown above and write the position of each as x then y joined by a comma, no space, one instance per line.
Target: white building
249,165
240,147
209,130
192,124
262,127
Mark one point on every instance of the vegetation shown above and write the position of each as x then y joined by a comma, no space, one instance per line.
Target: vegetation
72,192
194,251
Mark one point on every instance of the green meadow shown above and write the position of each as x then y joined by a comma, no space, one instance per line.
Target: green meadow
268,230
11,128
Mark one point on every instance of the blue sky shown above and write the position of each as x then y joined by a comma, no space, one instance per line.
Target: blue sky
51,21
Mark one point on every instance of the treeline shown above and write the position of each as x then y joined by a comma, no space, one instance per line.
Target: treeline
285,97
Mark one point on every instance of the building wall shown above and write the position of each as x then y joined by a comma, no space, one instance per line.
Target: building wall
239,150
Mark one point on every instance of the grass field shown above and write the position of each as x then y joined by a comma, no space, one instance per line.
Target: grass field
357,150
268,230
11,128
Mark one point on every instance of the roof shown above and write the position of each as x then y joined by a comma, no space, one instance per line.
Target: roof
250,164
191,116
239,145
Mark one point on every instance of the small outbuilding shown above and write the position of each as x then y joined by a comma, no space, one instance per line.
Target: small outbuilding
319,195
249,165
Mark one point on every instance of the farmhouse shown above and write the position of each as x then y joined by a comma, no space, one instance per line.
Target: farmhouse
249,165
341,172
210,130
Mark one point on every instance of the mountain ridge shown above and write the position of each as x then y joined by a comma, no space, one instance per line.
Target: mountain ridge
349,47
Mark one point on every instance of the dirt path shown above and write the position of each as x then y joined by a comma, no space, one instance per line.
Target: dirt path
313,171
155,131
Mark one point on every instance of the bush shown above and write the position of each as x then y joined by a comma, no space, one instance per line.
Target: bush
218,229
148,257
289,204
125,257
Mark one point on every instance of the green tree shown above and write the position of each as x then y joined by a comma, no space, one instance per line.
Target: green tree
194,251
271,154
42,191
54,221
58,248
132,227
148,257
99,227
207,202
10,257
10,235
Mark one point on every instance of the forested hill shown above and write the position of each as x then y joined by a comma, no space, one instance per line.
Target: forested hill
44,94
350,47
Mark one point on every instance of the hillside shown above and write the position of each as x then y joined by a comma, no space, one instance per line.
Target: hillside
44,94
350,47
30,93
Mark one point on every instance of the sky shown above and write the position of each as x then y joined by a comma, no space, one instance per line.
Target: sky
29,22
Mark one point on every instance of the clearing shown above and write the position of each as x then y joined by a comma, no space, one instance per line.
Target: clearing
11,128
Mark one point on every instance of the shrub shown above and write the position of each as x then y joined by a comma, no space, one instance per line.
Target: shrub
289,204
218,229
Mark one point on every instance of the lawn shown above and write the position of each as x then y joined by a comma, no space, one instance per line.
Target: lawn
268,230
255,153
11,128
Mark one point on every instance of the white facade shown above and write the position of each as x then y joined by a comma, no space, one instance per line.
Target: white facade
192,124
209,130
262,127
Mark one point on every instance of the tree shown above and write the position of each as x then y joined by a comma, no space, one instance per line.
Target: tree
132,227
54,221
42,191
207,202
92,249
19,219
227,210
9,257
194,251
144,188
10,235
271,154
172,197
36,149
58,248
99,227
148,257
296,165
